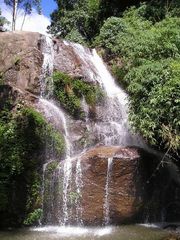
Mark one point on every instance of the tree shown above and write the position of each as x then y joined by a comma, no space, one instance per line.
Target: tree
77,18
2,20
26,5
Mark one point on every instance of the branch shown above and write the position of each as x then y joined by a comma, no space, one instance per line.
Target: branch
158,166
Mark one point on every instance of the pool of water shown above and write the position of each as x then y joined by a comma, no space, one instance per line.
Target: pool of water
134,232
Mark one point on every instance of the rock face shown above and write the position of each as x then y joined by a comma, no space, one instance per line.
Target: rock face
68,61
21,60
72,64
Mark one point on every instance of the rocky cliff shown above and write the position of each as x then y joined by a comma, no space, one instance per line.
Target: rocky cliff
21,60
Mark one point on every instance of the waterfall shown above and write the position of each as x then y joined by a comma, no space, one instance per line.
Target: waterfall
66,182
106,202
110,128
56,116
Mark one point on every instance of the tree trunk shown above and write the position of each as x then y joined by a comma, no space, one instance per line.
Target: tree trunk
14,15
23,20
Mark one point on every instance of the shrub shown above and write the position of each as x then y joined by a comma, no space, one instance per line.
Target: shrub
69,92
34,217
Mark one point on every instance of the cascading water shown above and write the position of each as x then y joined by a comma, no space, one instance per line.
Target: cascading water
111,125
114,128
110,128
56,116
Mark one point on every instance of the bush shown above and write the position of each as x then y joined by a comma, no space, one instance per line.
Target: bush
34,217
69,92
155,93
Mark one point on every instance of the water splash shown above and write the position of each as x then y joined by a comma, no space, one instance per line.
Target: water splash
106,200
75,231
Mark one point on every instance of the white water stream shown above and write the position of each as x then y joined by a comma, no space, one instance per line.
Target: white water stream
106,202
47,67
54,115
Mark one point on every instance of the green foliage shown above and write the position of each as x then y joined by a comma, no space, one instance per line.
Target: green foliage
155,91
150,70
75,20
75,36
3,20
70,92
51,166
157,10
33,217
81,20
74,197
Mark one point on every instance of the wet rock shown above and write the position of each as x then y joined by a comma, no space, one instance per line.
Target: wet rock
172,237
65,60
125,195
15,97
172,227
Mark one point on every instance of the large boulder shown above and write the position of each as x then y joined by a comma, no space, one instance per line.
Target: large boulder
124,188
94,188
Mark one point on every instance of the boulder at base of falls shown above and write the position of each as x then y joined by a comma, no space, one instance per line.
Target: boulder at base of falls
124,188
135,190
88,194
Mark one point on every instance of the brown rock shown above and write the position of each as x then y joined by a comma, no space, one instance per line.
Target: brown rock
124,188
65,60
68,61
21,60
